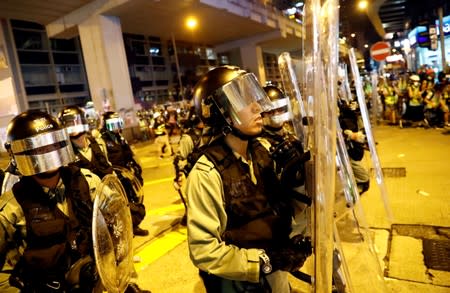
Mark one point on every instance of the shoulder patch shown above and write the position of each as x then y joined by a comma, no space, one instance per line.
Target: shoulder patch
203,164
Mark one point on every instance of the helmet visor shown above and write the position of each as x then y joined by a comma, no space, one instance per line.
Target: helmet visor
279,113
241,92
43,152
114,123
75,124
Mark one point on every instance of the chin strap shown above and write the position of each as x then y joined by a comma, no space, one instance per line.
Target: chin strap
229,129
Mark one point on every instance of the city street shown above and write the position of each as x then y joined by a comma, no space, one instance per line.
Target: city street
416,164
418,199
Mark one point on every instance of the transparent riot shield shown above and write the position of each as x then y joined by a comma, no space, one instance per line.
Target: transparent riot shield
322,24
296,105
356,240
345,171
376,114
370,139
112,235
318,84
138,191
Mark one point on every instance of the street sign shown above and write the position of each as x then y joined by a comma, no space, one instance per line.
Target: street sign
380,50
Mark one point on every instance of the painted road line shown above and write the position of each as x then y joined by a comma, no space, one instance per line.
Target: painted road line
159,247
164,210
158,181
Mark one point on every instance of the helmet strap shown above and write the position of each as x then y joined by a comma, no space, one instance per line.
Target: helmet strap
236,132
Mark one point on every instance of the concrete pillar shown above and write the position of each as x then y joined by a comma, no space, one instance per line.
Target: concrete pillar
252,60
106,66
9,99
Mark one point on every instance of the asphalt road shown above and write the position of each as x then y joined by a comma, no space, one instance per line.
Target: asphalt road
419,202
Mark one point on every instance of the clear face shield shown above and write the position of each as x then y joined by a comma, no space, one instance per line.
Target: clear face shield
43,152
240,94
75,124
114,124
278,115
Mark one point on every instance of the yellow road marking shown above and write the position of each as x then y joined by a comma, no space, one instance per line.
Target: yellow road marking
160,247
165,209
158,181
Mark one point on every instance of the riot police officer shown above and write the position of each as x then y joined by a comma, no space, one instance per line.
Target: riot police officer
275,120
48,213
122,158
90,152
278,135
238,223
194,136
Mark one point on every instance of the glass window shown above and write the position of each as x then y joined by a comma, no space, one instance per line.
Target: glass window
69,74
158,60
64,45
66,58
142,60
37,75
33,57
29,40
210,54
200,52
138,47
70,88
223,60
155,49
40,90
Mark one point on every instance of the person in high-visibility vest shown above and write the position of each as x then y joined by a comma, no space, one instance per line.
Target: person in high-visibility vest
162,137
390,91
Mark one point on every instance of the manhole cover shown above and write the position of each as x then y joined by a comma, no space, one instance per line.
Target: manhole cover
391,172
437,254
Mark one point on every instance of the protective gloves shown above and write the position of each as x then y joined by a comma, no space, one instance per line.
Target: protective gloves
290,159
292,256
356,136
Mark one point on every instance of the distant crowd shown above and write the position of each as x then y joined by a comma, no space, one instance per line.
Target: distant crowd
418,99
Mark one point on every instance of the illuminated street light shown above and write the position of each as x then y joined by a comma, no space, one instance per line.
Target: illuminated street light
362,5
366,46
191,23
353,35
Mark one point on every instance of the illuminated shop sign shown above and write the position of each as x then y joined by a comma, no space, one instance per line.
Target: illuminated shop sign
420,34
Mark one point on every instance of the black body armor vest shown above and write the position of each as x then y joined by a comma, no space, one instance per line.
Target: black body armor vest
258,217
54,240
119,152
99,164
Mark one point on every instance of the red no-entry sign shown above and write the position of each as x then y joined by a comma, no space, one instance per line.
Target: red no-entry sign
380,50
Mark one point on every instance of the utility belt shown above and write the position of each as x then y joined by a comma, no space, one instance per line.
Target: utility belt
82,276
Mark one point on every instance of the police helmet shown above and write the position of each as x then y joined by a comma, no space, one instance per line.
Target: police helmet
279,114
112,121
74,120
38,143
223,92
